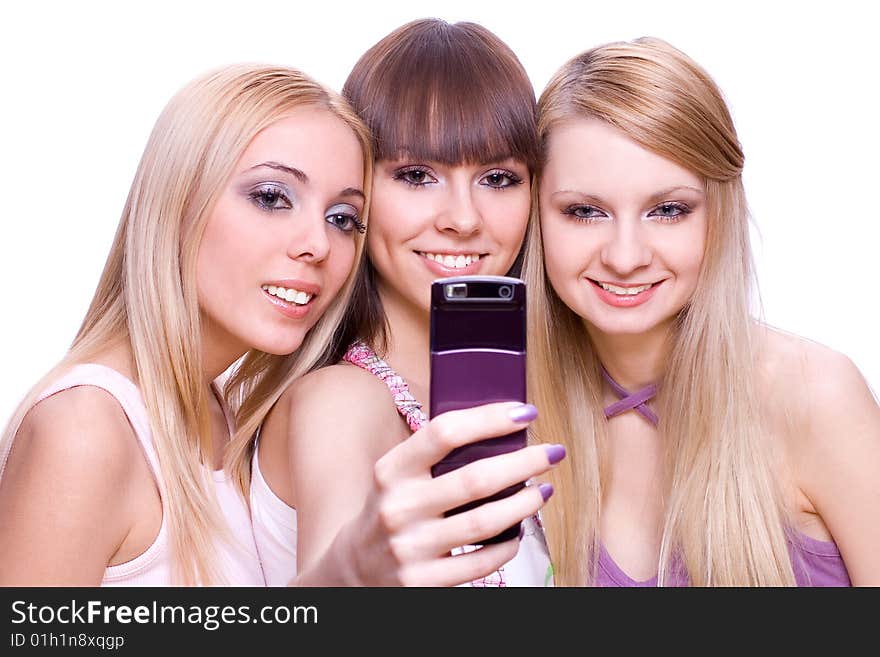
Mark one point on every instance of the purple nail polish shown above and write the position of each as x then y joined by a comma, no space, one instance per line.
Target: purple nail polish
555,453
524,413
546,491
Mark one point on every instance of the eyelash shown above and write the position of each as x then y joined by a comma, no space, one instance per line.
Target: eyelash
510,175
258,197
401,174
572,210
681,209
359,225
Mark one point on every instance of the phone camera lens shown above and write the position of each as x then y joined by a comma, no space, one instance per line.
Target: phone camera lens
505,292
457,291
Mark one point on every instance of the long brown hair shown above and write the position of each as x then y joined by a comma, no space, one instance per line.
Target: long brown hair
450,93
725,521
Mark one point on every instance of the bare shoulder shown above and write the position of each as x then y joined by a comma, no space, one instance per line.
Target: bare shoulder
815,381
349,407
82,429
820,402
69,474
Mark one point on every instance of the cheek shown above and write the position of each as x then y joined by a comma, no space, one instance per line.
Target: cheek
341,263
566,251
686,254
517,218
218,254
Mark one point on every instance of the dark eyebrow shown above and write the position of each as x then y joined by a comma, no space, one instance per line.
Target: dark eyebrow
296,173
352,191
303,178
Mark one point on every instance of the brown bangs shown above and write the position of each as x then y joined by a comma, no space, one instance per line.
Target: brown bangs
452,94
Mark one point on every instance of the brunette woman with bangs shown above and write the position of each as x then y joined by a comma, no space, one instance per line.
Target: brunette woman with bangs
452,114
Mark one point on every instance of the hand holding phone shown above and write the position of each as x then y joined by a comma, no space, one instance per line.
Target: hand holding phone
478,356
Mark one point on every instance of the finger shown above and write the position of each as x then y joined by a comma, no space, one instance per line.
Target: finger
471,482
454,429
461,568
436,537
476,525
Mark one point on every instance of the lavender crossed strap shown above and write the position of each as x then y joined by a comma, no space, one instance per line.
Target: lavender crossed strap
635,400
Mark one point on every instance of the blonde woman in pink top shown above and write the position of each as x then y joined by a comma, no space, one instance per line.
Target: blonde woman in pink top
238,244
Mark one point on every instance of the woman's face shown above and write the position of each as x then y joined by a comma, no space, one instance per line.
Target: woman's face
280,241
624,229
430,220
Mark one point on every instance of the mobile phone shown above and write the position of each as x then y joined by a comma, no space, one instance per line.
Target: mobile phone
478,356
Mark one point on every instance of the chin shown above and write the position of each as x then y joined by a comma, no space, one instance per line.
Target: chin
629,326
279,347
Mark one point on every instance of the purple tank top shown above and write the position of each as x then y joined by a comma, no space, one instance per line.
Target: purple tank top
815,562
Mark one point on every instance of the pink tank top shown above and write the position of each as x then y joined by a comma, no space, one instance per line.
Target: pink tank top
531,565
239,563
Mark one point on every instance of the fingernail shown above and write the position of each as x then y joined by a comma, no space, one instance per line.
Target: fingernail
555,453
522,531
524,413
546,491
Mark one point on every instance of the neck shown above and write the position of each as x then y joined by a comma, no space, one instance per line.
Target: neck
219,350
408,349
634,361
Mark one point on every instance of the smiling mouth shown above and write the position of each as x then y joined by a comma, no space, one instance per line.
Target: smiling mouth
624,291
452,261
291,295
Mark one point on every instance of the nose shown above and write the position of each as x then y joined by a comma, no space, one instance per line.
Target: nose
626,250
461,215
308,239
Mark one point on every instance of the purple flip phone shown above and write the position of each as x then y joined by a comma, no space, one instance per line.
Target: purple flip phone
478,356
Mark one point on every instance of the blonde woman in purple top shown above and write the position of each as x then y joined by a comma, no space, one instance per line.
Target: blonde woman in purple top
704,447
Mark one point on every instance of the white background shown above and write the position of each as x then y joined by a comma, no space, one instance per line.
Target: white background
83,82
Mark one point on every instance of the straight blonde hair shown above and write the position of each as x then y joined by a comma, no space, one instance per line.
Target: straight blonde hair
147,295
725,521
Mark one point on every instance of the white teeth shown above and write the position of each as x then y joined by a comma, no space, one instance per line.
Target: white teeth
298,297
624,291
451,261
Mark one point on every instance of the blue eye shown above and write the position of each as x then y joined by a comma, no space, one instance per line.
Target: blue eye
585,213
270,197
346,219
500,179
670,212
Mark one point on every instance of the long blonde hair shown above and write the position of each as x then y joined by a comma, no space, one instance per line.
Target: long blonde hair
725,522
147,292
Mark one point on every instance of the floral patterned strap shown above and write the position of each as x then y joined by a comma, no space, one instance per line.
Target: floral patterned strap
361,355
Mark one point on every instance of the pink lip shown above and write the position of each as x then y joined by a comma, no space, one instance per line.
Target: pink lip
296,284
628,301
443,271
288,308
